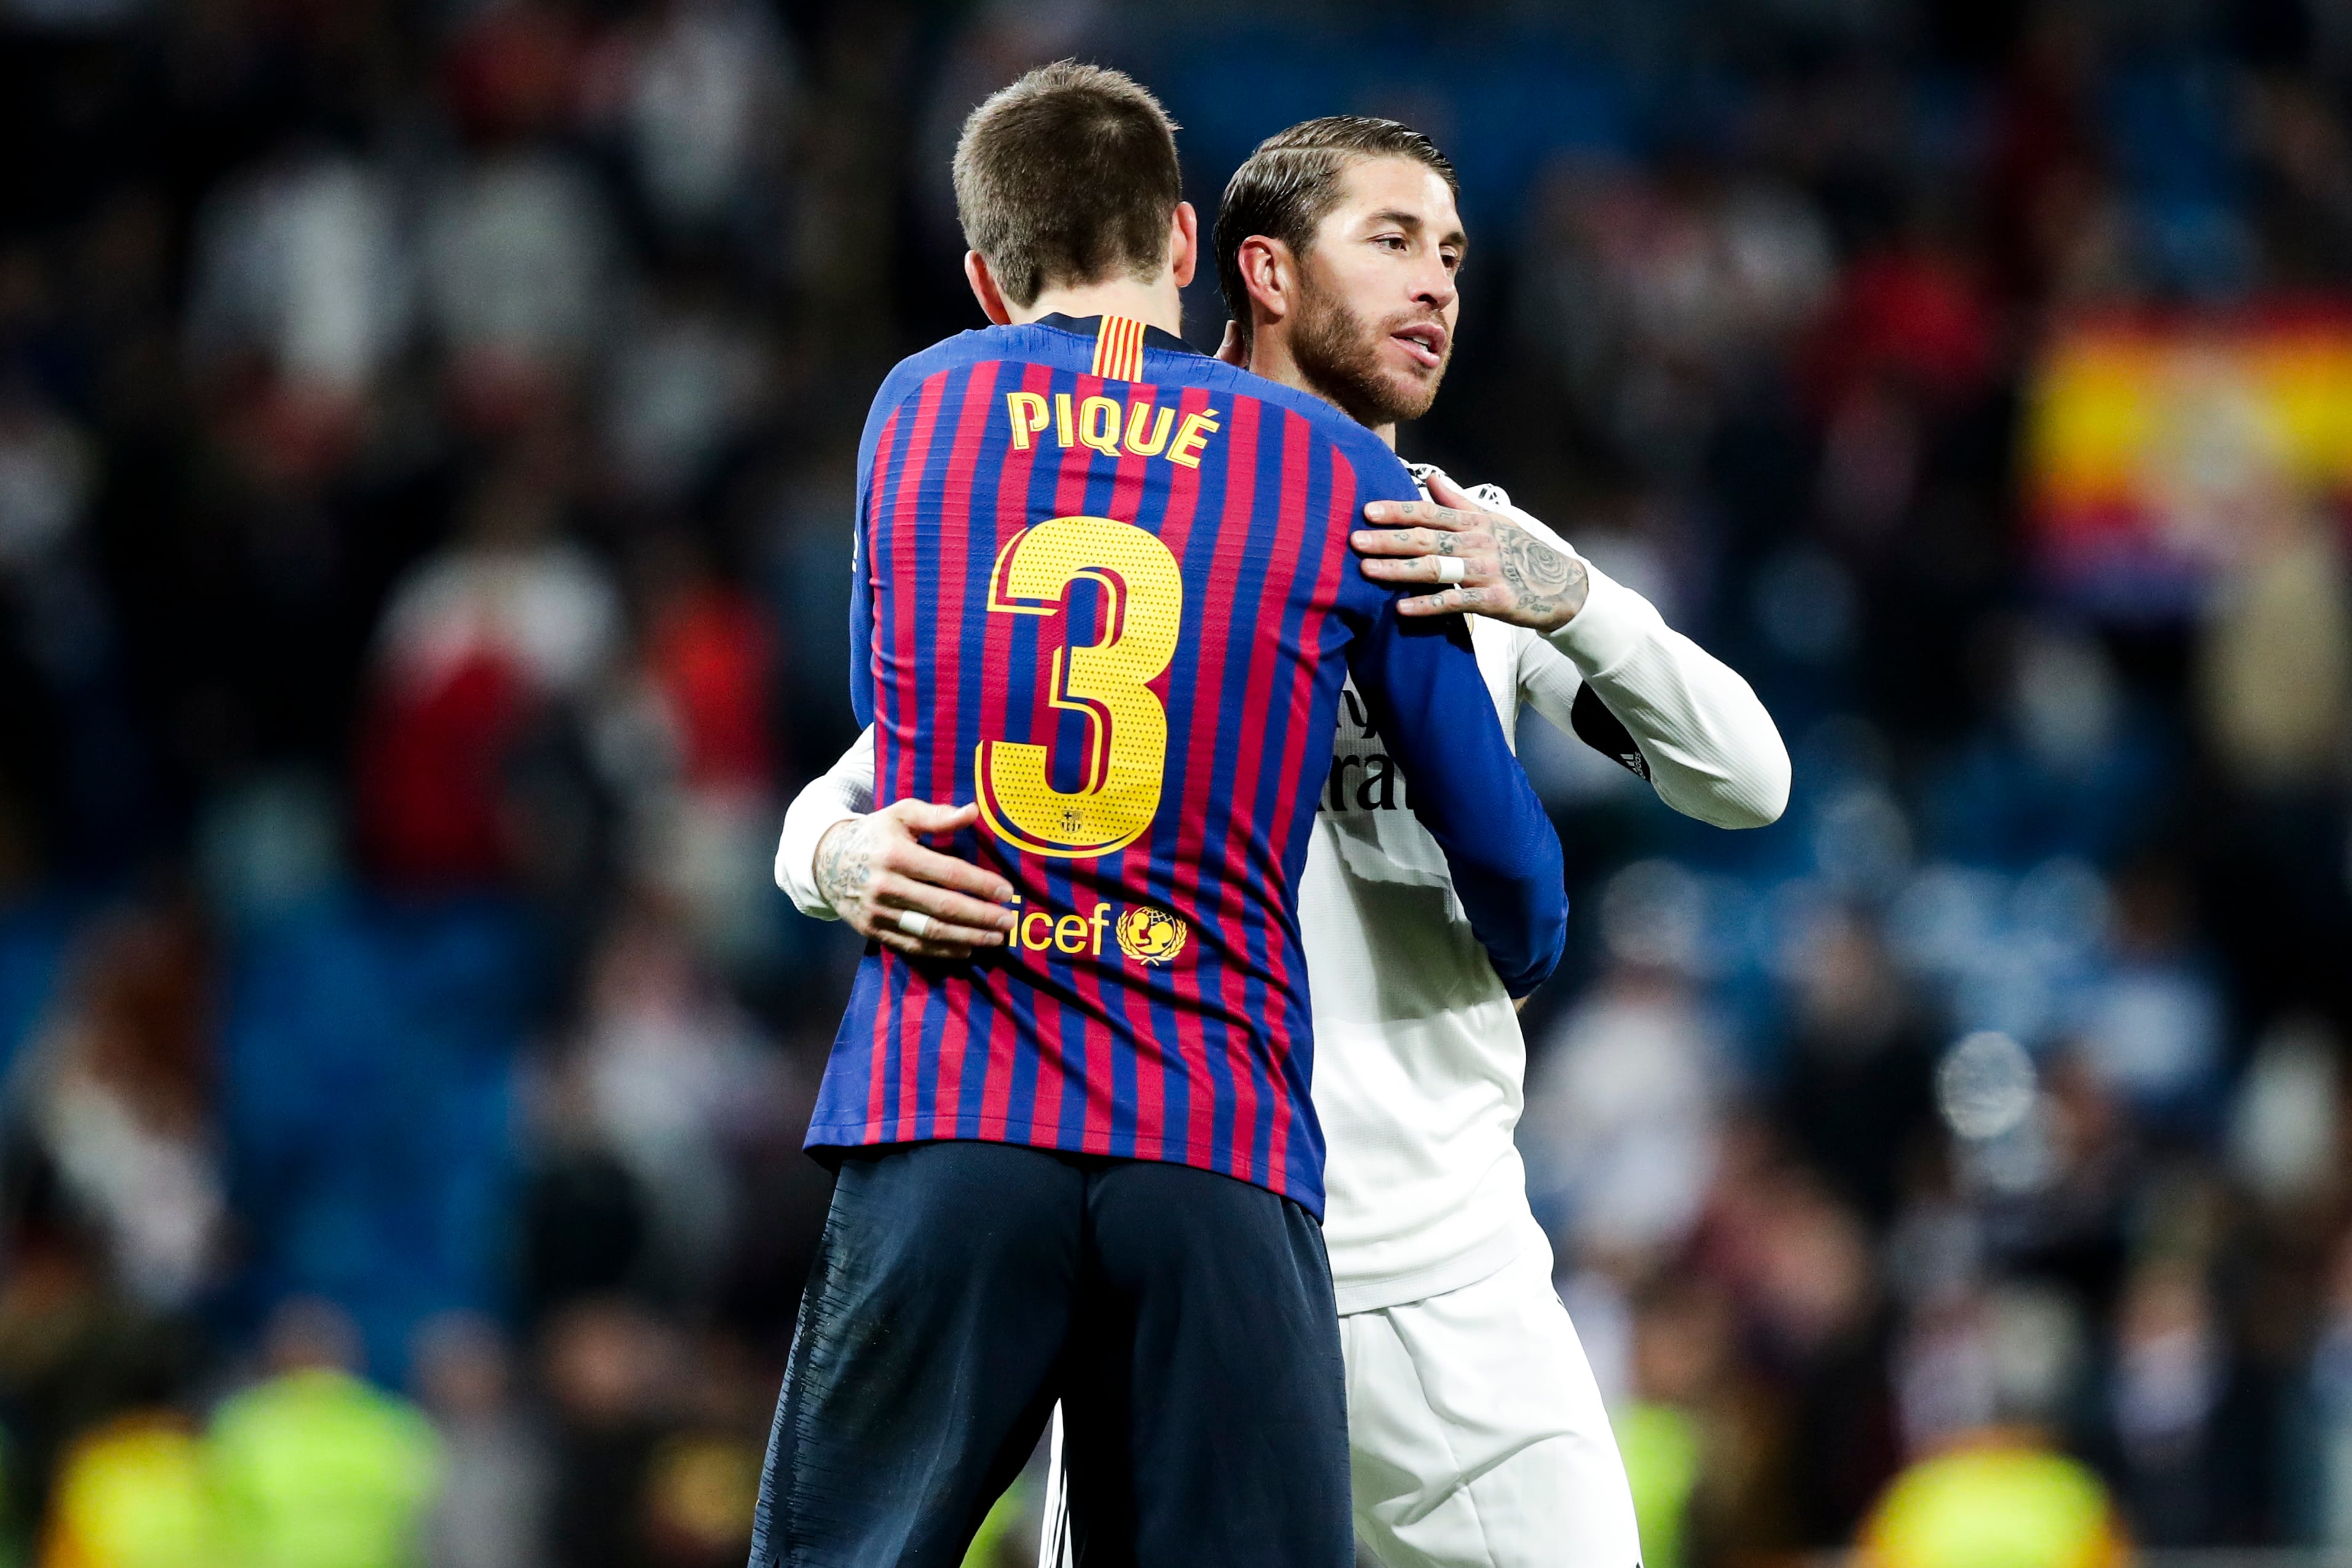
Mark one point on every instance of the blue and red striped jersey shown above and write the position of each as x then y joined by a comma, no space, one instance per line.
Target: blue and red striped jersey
1104,589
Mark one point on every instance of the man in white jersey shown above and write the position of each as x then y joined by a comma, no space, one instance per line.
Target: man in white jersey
1477,1435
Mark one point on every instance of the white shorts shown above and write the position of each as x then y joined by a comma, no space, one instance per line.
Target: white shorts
1476,1435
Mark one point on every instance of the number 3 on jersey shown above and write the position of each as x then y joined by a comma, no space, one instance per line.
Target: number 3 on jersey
1108,681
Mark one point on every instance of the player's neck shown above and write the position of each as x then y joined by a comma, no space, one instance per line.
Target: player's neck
1270,357
1155,304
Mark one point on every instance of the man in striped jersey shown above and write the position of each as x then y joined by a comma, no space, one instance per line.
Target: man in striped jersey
1104,596
1477,1435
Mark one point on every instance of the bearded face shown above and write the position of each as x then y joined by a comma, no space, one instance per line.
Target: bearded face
1341,356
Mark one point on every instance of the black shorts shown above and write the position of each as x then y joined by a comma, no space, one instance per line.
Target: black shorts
1183,1319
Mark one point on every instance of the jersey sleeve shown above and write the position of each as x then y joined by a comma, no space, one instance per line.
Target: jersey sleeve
1651,700
1432,705
1706,743
861,619
897,387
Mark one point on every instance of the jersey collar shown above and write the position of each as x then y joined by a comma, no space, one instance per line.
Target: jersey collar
1091,326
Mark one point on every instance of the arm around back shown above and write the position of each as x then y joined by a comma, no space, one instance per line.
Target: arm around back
840,793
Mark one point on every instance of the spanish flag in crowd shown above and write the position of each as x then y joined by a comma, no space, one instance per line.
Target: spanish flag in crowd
2158,442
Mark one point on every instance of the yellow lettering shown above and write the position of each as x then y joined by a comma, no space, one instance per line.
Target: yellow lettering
1191,437
1140,418
1036,941
1062,419
1102,917
1028,412
1070,934
1098,425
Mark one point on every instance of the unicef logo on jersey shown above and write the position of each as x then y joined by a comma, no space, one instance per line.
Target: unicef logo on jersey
1149,935
1144,934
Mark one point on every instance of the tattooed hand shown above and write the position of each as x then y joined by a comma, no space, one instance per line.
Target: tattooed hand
871,870
1510,573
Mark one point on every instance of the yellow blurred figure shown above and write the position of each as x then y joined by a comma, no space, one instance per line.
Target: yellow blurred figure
132,1494
992,1544
2000,1501
317,1470
1664,1454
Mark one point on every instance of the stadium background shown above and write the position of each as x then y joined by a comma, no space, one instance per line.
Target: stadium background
425,434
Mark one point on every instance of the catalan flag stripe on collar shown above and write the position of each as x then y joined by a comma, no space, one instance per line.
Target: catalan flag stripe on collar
1118,349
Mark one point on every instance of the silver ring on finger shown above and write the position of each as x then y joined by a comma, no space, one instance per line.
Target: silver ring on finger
1452,568
916,923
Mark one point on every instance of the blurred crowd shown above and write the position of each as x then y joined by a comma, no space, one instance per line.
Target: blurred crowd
426,443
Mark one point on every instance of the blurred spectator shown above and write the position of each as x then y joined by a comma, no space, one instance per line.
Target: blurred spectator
123,1103
491,1511
2067,769
75,1356
1798,1261
302,297
477,644
520,249
2064,1180
1998,1491
518,270
584,1216
2287,1126
2330,1382
704,92
2153,1024
673,1081
1621,1123
1855,1096
1692,1436
2276,659
135,1493
72,775
704,1480
314,1469
48,469
699,778
2307,216
700,1492
685,380
2043,166
2167,1405
606,1367
1651,297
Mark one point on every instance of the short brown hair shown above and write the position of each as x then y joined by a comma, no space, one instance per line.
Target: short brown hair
1069,175
1288,186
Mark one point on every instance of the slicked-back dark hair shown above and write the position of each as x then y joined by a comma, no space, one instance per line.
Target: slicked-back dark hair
1067,176
1288,186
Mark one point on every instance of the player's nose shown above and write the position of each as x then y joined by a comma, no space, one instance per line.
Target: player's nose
1432,287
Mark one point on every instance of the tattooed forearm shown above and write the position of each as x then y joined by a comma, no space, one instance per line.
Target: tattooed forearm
1550,584
844,865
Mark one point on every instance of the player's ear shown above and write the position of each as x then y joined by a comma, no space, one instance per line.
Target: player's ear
1268,277
984,289
1184,245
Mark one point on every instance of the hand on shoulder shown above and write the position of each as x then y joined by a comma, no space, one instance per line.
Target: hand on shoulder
1481,562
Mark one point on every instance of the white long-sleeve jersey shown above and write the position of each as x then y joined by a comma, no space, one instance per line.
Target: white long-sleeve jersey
1418,1062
